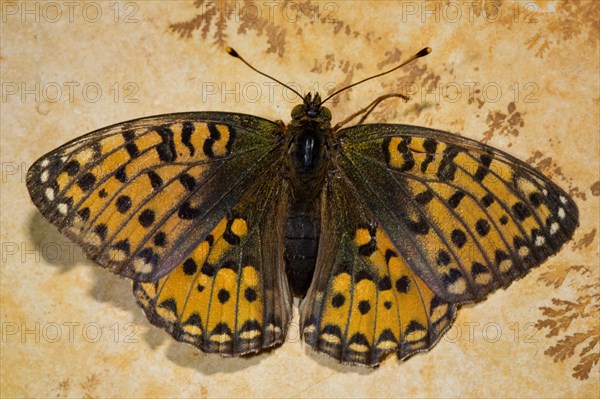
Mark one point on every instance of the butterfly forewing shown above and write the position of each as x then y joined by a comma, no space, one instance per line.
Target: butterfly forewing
141,195
469,217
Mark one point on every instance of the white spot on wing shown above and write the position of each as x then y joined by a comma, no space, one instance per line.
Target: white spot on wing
141,266
309,329
220,338
439,312
330,338
50,194
62,208
385,345
251,334
483,278
458,287
505,265
523,251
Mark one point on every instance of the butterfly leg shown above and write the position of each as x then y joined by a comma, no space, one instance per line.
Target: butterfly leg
368,109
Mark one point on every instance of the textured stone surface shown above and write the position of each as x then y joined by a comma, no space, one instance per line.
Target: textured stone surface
522,77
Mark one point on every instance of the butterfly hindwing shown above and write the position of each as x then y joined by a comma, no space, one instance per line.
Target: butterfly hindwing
469,217
230,296
365,300
139,196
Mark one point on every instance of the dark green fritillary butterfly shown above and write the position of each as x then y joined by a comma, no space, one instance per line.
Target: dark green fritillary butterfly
221,218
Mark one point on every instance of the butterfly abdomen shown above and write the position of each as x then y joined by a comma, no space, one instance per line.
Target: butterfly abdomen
302,230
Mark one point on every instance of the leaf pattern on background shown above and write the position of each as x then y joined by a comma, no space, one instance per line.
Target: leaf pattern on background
573,323
570,20
215,16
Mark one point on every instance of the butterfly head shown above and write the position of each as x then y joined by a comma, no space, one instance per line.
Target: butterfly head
311,109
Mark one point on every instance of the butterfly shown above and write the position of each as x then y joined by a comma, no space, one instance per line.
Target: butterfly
382,230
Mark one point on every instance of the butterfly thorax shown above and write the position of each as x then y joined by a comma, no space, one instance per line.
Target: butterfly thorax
309,133
307,161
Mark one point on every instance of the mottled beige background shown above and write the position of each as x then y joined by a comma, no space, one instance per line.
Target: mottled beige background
521,76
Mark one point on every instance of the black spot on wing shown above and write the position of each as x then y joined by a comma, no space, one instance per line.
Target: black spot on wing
160,239
208,269
364,307
371,246
250,294
214,136
84,214
521,211
443,258
170,305
188,212
430,146
482,227
166,149
420,226
455,199
147,217
72,167
447,167
487,200
87,181
186,135
128,135
424,197
189,267
403,284
130,146
132,150
120,174
123,246
223,295
123,203
385,283
458,237
536,199
155,180
101,231
187,181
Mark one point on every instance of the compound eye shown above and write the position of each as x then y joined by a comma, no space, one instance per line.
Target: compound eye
326,113
298,111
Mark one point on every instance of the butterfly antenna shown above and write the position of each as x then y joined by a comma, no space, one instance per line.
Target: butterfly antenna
235,54
420,54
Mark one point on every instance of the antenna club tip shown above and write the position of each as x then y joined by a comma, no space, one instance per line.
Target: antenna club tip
232,52
424,52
